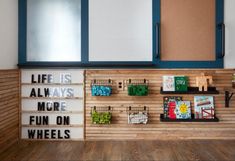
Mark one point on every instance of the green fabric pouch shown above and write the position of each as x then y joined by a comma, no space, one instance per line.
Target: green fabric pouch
137,90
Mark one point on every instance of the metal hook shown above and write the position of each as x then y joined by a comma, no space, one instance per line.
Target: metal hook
144,108
228,97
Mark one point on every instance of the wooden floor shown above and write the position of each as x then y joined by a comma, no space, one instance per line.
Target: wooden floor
122,150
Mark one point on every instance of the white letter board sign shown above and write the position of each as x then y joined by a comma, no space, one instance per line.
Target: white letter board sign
52,106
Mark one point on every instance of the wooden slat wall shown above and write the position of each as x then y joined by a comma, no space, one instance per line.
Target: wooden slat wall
9,107
225,129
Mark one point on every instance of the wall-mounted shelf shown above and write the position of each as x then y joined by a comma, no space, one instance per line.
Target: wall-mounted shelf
162,119
192,90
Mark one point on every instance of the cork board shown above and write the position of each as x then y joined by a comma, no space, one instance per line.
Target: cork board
188,30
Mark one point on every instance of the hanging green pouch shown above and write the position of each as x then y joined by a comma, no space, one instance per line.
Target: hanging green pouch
137,90
101,117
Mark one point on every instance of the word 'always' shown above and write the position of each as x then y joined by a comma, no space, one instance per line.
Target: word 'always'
52,92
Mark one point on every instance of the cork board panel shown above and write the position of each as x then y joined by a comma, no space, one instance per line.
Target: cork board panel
188,30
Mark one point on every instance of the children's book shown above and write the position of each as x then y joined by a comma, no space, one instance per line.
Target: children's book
181,83
168,83
171,108
169,104
183,110
204,107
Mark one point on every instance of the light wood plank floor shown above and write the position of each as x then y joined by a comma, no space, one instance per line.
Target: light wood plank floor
122,150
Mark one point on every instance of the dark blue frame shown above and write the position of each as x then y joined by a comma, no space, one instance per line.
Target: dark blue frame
155,63
22,42
140,64
218,63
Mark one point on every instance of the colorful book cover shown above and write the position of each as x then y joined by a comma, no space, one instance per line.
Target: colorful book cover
183,110
181,83
168,83
172,107
204,107
169,102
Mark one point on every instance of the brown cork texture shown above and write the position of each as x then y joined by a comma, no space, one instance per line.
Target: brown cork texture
188,30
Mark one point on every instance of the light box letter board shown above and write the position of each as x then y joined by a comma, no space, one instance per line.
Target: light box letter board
52,105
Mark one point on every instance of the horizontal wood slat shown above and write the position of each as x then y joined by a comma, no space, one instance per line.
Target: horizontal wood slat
9,107
120,129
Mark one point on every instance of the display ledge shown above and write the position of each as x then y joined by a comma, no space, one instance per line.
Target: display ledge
162,119
192,90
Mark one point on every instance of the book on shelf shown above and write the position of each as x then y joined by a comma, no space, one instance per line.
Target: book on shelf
169,105
204,107
181,83
183,110
168,83
175,83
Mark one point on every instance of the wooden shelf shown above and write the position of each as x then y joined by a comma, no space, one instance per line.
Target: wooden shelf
192,90
162,119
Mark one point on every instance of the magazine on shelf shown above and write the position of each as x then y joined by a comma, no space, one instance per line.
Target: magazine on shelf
204,107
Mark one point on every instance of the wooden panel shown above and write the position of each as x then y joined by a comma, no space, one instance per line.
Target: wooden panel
9,107
188,30
119,129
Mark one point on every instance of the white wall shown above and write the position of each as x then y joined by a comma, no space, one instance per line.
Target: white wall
230,33
8,34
